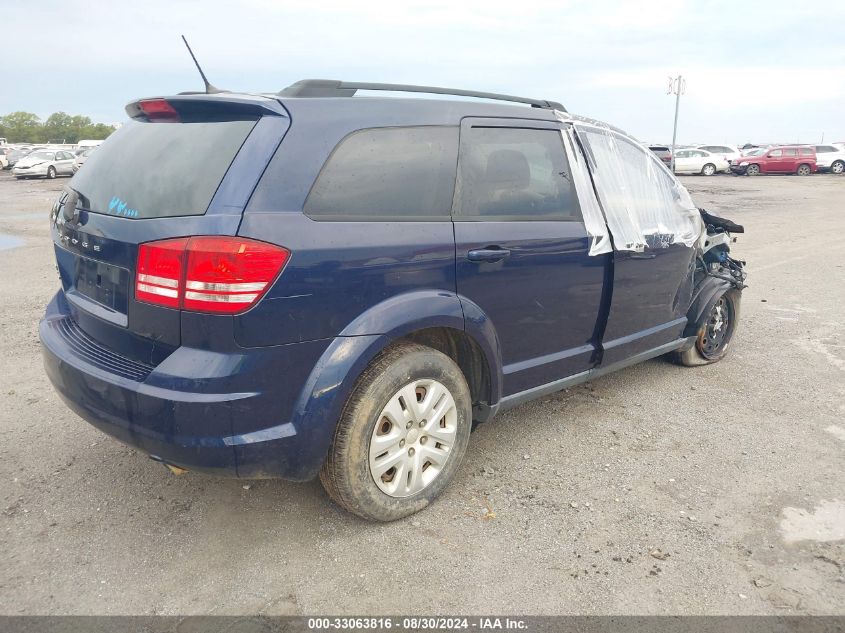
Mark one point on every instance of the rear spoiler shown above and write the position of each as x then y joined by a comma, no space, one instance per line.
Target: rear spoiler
196,108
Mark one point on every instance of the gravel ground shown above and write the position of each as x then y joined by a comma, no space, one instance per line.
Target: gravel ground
658,489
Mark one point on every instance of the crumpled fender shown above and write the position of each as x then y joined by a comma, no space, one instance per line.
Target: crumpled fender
705,294
333,378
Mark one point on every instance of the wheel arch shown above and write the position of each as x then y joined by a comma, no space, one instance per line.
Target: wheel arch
704,296
433,317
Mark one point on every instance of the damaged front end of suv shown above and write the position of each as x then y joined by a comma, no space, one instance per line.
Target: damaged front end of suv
717,292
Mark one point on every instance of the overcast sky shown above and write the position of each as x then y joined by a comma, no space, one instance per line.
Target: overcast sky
758,71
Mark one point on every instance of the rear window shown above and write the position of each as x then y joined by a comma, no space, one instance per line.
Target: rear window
398,173
156,170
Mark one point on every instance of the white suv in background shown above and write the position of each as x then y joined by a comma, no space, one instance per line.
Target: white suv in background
830,158
729,152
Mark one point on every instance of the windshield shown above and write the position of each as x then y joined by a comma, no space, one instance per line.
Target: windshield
155,170
42,155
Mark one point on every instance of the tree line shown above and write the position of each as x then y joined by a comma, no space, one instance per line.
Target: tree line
26,127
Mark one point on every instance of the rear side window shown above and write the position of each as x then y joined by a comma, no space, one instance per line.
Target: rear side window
806,151
404,173
156,170
515,174
790,152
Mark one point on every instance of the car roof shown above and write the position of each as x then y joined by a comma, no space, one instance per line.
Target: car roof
360,112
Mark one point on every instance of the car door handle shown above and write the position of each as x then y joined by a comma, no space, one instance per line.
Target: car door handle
490,254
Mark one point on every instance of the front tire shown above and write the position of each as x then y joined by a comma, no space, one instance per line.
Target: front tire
837,167
803,170
51,172
708,170
401,436
752,170
715,332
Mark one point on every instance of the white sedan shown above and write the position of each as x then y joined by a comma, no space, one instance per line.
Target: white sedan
47,163
699,161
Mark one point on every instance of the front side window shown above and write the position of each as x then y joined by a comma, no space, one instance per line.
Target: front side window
644,204
401,173
776,153
514,174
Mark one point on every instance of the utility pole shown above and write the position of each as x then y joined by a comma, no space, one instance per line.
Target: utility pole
677,86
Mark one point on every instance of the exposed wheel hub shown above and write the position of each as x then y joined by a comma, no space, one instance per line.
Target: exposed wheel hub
716,332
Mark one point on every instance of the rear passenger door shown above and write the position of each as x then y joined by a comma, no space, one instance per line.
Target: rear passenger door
64,162
522,249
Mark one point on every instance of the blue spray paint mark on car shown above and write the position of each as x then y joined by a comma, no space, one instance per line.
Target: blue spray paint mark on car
119,207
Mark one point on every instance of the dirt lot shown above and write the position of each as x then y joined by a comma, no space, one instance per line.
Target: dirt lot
658,489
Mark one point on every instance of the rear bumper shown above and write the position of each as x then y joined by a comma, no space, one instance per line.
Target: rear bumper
223,413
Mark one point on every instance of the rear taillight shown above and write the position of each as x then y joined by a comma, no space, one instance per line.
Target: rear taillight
159,273
222,275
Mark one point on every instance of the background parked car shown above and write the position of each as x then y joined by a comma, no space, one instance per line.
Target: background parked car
728,152
699,161
16,154
4,161
793,159
663,153
830,158
81,157
45,162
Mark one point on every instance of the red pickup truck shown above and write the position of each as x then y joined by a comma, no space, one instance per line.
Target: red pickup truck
785,159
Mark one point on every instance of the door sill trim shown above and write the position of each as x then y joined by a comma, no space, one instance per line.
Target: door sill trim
516,399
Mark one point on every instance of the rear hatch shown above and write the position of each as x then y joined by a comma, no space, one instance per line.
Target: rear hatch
182,166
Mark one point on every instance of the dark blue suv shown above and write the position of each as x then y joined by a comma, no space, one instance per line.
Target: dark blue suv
313,282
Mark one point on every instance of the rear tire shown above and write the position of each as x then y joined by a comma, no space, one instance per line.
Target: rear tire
803,170
752,170
715,333
401,436
51,172
708,170
837,167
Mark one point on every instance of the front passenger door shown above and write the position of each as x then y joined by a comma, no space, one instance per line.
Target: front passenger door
523,250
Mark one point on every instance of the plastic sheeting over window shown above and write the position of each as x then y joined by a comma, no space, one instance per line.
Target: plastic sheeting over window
590,209
644,205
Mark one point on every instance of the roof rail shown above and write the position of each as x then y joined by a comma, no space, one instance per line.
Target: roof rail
335,88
